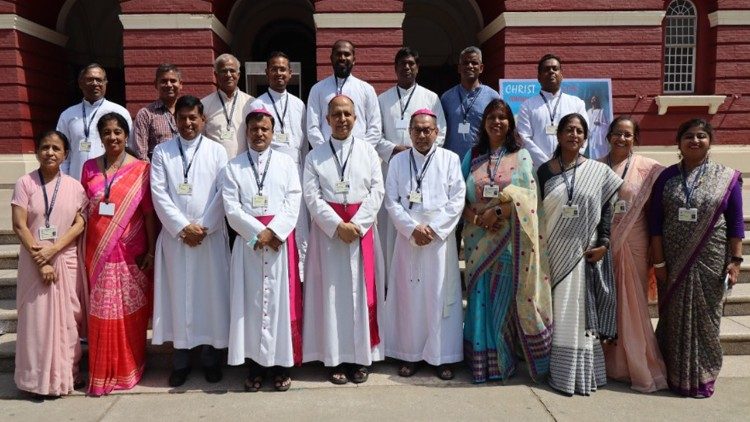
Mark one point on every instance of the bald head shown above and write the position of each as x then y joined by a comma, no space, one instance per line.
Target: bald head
341,116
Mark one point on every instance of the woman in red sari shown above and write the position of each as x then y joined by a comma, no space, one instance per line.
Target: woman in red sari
119,253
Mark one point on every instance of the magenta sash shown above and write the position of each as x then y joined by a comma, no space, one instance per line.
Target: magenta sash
295,291
367,248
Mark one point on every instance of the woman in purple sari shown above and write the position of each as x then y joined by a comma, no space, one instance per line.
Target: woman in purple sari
697,228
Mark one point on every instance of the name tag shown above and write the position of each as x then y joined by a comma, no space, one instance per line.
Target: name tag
281,137
491,191
84,146
687,214
570,211
226,134
341,187
48,233
260,201
106,209
402,124
185,189
464,128
415,197
550,130
621,207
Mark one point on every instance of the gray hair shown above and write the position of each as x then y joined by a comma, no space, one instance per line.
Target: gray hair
226,57
471,50
89,67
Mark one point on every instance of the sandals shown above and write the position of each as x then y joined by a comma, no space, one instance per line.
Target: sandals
253,384
282,382
407,369
357,374
337,375
445,372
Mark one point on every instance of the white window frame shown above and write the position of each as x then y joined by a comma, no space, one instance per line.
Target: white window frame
677,81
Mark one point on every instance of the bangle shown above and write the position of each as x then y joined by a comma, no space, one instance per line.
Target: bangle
475,219
660,265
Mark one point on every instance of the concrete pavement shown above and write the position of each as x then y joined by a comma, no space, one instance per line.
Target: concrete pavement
386,396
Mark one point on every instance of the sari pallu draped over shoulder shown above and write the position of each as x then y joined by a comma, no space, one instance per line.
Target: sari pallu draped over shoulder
120,292
523,313
691,299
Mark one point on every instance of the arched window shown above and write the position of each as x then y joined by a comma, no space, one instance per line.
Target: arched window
679,47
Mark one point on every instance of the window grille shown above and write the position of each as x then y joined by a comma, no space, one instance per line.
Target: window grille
679,48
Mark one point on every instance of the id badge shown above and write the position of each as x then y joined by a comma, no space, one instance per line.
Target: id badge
491,191
402,124
281,137
84,146
621,207
48,233
415,197
687,214
260,201
341,187
226,134
550,129
106,208
570,211
185,189
464,128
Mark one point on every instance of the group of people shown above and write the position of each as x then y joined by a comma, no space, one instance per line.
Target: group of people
331,232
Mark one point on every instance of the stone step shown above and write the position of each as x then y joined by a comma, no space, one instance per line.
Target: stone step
746,244
734,334
8,316
8,237
8,284
737,303
9,256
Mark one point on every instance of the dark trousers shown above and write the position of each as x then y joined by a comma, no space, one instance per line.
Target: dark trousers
181,357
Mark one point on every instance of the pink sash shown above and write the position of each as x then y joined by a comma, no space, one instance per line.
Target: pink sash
295,291
367,248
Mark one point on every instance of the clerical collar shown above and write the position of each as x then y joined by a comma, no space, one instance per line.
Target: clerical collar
276,94
549,94
406,90
188,142
432,148
258,155
338,143
96,103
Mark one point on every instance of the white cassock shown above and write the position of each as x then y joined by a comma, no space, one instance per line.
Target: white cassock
191,284
534,117
424,315
260,323
74,125
336,323
598,127
366,127
396,113
292,142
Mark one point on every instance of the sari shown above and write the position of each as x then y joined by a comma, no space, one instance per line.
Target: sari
696,253
583,294
635,358
120,292
509,299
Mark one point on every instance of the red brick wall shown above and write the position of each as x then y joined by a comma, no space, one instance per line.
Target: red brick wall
31,89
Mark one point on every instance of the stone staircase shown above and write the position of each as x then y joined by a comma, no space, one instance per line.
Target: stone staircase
735,325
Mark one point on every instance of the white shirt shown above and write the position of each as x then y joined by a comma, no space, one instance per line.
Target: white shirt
233,140
534,117
293,128
393,109
71,123
366,127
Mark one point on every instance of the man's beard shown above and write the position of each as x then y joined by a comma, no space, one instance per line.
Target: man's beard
342,72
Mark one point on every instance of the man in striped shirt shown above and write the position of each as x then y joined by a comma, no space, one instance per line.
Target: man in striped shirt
155,123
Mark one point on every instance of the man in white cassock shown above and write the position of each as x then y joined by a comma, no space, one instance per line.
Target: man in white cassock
344,272
262,196
191,276
396,107
424,196
289,130
342,82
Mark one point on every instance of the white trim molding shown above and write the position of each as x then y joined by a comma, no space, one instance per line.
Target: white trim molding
711,101
13,21
734,156
176,21
13,166
729,17
359,20
568,19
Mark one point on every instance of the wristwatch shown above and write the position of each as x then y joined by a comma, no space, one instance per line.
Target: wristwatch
498,211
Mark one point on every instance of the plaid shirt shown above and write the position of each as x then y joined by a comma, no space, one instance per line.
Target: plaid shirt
153,125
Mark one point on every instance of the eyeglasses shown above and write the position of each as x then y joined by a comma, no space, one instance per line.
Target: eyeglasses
95,81
423,130
626,135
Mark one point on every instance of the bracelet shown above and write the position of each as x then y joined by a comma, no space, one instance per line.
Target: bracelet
475,219
660,265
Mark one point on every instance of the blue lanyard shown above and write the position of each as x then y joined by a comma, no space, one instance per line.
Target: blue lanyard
339,90
275,110
419,175
492,173
464,109
258,180
408,100
689,190
229,115
48,205
185,164
87,124
341,168
552,113
108,185
569,184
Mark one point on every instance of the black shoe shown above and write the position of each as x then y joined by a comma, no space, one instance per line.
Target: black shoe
178,377
213,373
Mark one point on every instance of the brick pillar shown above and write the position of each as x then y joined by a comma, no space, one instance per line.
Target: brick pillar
373,27
185,33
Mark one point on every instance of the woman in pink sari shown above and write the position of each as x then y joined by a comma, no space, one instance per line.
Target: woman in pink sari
119,253
635,357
